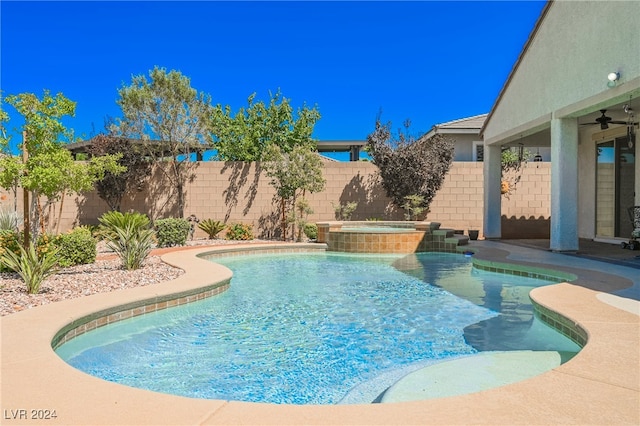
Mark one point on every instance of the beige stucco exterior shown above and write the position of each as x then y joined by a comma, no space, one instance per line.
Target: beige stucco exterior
559,84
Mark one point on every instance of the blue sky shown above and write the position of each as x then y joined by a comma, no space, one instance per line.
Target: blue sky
429,62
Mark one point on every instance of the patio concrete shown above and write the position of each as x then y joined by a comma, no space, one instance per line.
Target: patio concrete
600,385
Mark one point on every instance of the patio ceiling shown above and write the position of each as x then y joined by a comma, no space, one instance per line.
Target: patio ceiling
541,137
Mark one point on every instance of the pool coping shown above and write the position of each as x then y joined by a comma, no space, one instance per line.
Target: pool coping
601,385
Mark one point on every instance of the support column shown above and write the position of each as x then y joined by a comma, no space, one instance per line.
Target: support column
492,217
636,139
564,184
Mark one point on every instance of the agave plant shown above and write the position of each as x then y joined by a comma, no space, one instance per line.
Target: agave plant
211,227
32,267
9,220
131,243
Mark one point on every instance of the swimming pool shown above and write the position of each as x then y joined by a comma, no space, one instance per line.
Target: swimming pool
311,328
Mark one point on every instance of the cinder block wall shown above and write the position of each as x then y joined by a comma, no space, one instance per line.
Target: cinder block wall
237,192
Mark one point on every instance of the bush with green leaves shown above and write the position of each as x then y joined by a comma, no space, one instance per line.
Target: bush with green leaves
172,231
211,227
311,231
240,231
131,244
76,247
31,266
414,207
344,211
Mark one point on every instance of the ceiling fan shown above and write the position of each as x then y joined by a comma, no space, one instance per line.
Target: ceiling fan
604,121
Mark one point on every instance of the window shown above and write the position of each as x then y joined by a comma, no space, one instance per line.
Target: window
478,151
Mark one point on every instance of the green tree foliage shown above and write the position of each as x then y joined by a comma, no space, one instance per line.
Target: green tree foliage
511,161
246,135
171,119
49,172
293,174
409,167
112,187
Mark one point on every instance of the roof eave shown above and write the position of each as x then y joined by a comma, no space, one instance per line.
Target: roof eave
516,65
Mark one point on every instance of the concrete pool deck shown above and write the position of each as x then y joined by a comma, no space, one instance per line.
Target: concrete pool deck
600,385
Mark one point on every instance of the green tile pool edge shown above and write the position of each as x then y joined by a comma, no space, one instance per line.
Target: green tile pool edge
555,320
140,307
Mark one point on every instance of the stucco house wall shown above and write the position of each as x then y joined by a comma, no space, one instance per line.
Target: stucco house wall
575,47
553,95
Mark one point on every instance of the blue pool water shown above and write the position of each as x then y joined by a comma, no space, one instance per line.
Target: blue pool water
312,328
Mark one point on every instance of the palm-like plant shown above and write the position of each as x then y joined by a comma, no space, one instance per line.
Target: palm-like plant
131,244
32,267
113,220
211,227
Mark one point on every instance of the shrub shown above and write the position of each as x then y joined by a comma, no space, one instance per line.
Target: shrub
414,207
113,220
344,211
172,231
131,244
311,231
211,227
32,267
9,220
12,241
128,235
76,247
240,231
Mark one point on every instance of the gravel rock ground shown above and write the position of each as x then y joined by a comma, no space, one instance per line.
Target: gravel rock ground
106,274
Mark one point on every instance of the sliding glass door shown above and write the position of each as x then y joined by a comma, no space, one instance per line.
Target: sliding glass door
615,188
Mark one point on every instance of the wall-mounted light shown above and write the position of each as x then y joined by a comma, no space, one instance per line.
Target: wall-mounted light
613,78
537,158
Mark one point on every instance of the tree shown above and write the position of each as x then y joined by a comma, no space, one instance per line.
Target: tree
49,171
171,120
412,171
292,175
511,168
112,187
246,135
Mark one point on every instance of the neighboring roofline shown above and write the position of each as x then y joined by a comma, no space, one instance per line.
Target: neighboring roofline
338,145
459,120
443,128
322,146
516,65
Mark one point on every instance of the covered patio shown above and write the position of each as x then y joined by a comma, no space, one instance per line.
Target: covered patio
578,92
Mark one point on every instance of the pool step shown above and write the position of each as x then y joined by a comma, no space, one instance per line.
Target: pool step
450,238
474,373
461,240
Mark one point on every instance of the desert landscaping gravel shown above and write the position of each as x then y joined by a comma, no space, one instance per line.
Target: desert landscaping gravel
105,275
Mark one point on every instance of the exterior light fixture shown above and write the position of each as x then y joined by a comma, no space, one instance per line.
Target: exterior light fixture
538,157
613,78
